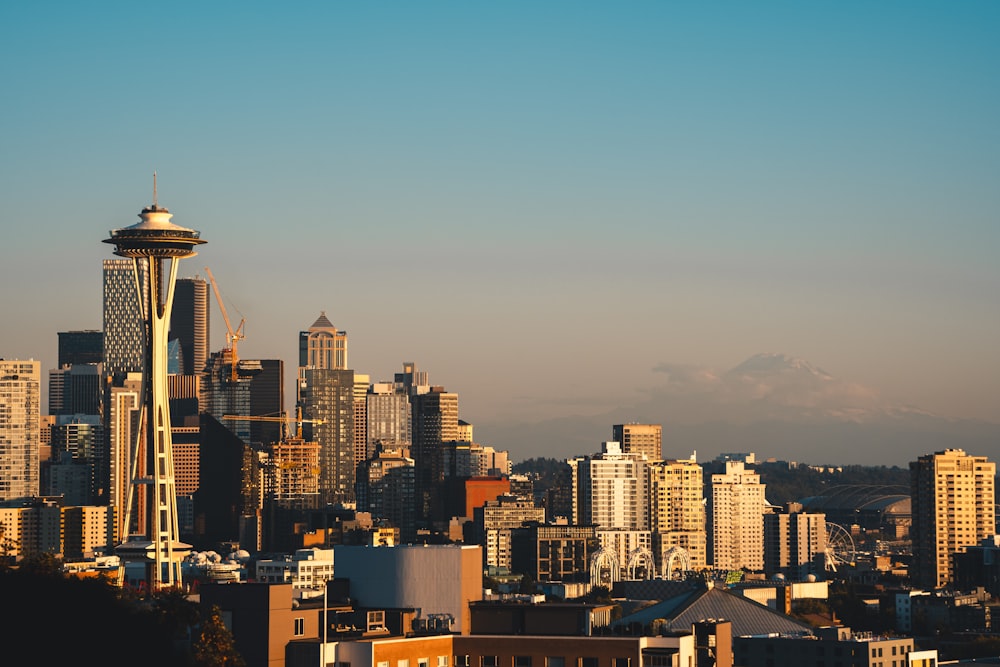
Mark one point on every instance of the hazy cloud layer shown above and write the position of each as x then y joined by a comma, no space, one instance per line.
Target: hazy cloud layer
772,404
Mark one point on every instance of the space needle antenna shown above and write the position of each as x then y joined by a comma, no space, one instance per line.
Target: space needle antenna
154,188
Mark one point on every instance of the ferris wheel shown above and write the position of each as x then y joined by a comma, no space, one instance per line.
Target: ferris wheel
839,547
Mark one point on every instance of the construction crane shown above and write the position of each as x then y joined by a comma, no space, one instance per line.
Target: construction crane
273,418
232,337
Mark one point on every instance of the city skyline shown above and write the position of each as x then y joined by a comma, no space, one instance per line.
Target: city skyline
557,213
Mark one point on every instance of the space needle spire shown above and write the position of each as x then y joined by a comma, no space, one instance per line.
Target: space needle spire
157,244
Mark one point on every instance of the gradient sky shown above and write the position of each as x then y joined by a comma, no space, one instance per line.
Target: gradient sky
539,203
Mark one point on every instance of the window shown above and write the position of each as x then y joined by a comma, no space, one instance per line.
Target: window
461,661
488,661
555,661
405,662
300,627
522,661
620,662
588,662
423,662
442,661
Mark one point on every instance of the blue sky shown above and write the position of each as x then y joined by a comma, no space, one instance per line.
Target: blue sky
539,203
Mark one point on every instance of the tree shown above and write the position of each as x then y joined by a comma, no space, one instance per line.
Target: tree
214,646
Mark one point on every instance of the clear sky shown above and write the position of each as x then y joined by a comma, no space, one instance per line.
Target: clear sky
538,202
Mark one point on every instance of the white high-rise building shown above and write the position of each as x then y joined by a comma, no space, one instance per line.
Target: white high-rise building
736,519
611,490
20,397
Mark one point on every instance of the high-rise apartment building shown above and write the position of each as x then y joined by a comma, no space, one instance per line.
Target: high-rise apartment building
611,490
189,323
736,519
792,541
385,489
20,399
123,321
323,346
953,500
677,509
327,396
645,439
494,522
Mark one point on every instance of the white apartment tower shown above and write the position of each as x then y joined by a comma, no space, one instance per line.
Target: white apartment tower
736,519
677,509
20,397
611,490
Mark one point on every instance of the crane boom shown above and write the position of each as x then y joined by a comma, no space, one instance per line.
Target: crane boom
271,418
232,337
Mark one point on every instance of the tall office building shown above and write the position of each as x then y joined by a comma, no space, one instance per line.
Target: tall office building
677,509
123,323
953,500
389,417
323,346
736,519
267,398
20,405
189,324
361,384
645,439
113,475
327,395
611,490
435,422
76,390
411,379
81,347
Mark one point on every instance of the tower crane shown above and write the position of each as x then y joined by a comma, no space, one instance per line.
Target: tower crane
232,337
273,418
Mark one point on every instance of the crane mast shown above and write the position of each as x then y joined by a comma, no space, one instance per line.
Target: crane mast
232,336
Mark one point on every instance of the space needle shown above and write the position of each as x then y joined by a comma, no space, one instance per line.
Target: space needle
157,245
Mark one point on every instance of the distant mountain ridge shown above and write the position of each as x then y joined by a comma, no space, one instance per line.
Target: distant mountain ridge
772,404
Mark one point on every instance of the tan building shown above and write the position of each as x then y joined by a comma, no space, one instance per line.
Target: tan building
736,519
323,346
677,509
953,501
645,439
20,405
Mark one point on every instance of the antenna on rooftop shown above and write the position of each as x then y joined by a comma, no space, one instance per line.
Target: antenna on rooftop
154,188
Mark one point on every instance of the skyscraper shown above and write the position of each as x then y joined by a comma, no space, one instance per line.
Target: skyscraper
322,346
435,422
20,398
646,439
189,323
81,347
736,519
388,417
327,396
953,496
123,326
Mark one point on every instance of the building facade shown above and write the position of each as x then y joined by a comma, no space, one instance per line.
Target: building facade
736,519
953,505
645,439
20,437
677,509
